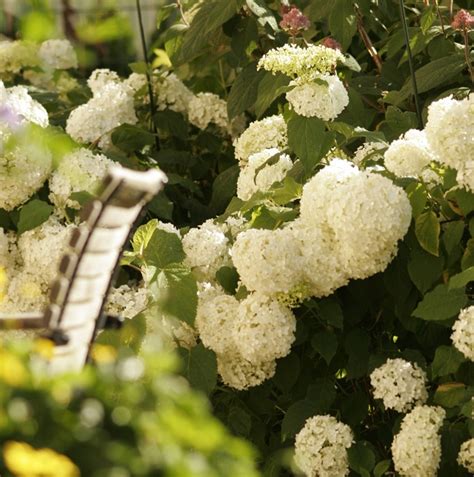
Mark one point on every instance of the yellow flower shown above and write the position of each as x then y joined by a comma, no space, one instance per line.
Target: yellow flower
25,461
103,354
12,370
45,348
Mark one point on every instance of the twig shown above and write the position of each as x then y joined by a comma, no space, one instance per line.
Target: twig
410,63
181,11
440,18
368,42
148,76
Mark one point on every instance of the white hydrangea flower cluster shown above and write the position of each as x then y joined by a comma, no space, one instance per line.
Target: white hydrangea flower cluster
321,447
15,55
449,134
302,63
36,255
268,133
206,248
409,155
207,108
400,384
325,99
172,93
322,250
58,55
466,455
261,172
100,78
247,336
369,150
17,100
317,90
463,333
416,449
78,171
127,301
112,104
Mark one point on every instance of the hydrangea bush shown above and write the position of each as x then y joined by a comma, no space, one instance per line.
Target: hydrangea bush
311,257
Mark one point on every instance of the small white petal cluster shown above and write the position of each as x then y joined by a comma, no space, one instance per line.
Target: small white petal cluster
302,63
24,168
136,81
127,301
369,150
215,318
15,55
416,449
324,100
172,93
321,447
264,329
364,213
78,171
349,228
267,133
268,260
463,333
466,455
111,105
261,172
58,55
206,249
101,77
400,384
36,257
449,134
18,101
409,155
247,336
207,108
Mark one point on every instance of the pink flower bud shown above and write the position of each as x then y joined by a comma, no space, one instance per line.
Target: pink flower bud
331,43
463,20
293,21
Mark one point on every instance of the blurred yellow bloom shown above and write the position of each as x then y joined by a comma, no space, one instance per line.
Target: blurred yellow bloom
25,461
44,347
12,370
103,354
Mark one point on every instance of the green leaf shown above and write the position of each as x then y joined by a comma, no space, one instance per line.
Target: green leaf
306,137
200,368
228,278
270,87
224,188
131,138
441,304
357,344
381,468
361,457
427,230
162,249
461,279
211,15
435,73
418,197
142,236
295,418
451,395
161,206
325,343
464,199
330,311
354,408
467,260
174,290
172,122
244,91
342,22
453,232
264,14
130,335
446,361
424,269
33,214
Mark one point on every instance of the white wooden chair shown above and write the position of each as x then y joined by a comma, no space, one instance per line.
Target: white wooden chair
75,315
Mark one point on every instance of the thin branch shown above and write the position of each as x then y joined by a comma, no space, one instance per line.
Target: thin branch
148,76
368,42
410,63
181,11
